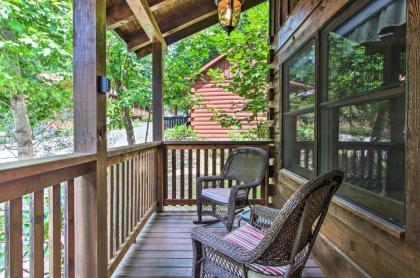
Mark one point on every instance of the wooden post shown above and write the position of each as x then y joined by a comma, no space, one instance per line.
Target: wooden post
157,53
157,91
412,218
90,137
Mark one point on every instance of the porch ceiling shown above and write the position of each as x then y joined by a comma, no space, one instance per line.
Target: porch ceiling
139,22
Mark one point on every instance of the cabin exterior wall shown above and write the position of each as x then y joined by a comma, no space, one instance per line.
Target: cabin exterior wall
212,95
352,242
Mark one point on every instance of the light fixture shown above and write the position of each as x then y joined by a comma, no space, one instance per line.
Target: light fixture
229,12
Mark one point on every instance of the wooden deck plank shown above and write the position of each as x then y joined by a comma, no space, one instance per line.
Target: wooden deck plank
164,249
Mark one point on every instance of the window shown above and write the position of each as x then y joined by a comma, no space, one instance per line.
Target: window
299,117
360,110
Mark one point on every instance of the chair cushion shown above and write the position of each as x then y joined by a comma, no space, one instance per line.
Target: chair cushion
221,194
248,237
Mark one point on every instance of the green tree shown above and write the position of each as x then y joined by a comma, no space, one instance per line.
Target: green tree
130,82
246,49
183,61
35,65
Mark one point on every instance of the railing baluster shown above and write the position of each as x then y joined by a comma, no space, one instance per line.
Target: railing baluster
146,171
190,188
143,178
54,231
206,165
14,230
37,234
130,196
222,162
198,164
111,211
230,183
135,173
69,246
117,208
174,174
182,177
213,166
123,201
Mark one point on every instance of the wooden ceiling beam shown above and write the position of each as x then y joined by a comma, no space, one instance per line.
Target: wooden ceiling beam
146,20
183,27
198,11
122,14
140,40
174,37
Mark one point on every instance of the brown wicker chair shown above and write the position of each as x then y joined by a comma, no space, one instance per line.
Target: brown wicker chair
247,166
274,243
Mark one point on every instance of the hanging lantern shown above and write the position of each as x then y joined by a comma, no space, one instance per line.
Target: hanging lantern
229,12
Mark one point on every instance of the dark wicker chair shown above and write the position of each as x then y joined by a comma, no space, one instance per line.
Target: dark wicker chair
247,166
274,243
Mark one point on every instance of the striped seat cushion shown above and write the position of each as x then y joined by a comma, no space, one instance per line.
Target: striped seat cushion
248,237
221,194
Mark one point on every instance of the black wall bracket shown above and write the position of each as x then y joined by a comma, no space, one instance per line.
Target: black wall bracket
104,84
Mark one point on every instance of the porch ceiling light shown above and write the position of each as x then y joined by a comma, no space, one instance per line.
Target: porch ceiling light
229,12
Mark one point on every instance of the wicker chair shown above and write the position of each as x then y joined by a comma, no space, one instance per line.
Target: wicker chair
246,166
274,243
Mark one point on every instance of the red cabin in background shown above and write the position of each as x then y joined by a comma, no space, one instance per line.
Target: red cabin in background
211,97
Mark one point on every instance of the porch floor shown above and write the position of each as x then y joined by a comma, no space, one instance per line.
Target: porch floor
163,248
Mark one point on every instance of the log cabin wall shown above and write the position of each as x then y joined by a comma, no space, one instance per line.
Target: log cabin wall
213,95
352,242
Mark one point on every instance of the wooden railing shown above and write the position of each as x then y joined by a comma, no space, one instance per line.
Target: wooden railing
305,154
131,196
173,121
367,165
23,185
184,161
140,180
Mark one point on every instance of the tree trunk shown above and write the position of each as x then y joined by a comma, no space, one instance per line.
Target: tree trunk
128,124
379,124
22,126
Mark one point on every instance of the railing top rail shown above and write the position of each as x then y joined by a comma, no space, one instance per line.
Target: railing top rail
25,168
217,142
26,177
129,149
118,155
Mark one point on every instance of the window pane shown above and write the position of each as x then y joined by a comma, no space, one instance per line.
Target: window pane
365,54
301,80
363,122
299,117
303,149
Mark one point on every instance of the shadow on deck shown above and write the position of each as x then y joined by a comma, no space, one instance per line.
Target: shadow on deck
163,248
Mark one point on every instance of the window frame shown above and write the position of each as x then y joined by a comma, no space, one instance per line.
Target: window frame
320,39
286,144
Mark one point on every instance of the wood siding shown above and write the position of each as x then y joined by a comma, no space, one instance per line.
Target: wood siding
212,96
353,242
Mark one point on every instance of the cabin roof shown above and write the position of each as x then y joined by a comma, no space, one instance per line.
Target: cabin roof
139,22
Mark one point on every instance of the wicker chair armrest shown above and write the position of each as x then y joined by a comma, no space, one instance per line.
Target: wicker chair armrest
245,186
209,178
260,215
202,179
220,245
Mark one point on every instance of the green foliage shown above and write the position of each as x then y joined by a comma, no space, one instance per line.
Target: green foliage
35,56
131,80
246,49
181,133
258,133
182,64
351,69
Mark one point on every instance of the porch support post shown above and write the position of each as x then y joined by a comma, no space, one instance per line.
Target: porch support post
412,196
157,53
90,137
